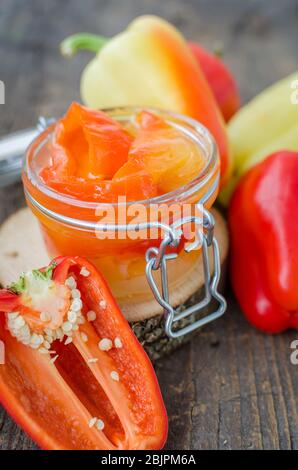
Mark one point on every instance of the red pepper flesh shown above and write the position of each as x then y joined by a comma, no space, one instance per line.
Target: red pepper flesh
264,250
8,300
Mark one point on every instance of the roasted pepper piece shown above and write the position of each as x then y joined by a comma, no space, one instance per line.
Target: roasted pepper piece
99,390
96,145
87,149
267,124
264,249
220,79
171,157
149,64
134,180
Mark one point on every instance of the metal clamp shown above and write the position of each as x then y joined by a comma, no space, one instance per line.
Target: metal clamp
157,259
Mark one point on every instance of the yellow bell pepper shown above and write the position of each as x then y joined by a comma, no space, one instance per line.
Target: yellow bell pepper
267,124
149,64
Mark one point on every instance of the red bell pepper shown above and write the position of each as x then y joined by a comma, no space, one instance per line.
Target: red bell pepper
98,389
220,79
264,243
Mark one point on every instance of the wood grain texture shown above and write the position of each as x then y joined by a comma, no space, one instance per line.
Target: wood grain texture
231,387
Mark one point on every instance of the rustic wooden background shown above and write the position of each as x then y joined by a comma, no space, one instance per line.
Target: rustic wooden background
231,387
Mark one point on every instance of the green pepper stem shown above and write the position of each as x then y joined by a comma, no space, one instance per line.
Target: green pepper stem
218,51
90,42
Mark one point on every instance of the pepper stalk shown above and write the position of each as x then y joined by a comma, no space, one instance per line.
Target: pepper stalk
82,41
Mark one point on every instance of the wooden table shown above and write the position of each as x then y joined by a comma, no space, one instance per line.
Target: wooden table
231,387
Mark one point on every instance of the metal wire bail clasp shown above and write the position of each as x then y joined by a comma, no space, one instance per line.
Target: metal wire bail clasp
157,260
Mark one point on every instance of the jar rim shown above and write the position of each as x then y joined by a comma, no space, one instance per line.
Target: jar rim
189,126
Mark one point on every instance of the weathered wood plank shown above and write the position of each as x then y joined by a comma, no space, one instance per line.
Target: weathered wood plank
238,388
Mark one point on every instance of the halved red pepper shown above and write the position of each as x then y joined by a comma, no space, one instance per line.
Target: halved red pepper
264,243
89,397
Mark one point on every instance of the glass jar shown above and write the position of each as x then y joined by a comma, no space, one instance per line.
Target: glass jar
70,226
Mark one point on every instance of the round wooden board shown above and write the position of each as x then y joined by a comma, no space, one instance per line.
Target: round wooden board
22,249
